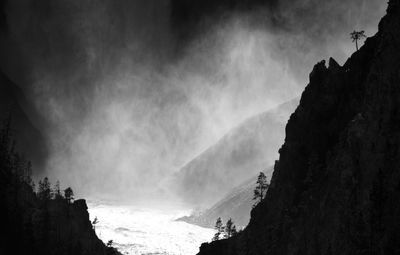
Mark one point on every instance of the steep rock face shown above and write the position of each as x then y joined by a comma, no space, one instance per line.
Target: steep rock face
33,226
336,186
70,225
38,223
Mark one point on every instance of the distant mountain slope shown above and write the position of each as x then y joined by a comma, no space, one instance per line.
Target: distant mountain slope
240,154
29,140
237,205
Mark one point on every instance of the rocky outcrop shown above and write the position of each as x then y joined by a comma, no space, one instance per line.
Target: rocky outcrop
336,186
69,225
32,224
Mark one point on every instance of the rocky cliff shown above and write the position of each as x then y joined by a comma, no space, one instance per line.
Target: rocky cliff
32,224
336,186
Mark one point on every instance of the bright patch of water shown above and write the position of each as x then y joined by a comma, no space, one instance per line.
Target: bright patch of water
147,231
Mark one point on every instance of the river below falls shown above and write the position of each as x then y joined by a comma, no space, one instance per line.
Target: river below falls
137,230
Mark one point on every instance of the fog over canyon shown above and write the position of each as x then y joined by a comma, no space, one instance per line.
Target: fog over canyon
153,110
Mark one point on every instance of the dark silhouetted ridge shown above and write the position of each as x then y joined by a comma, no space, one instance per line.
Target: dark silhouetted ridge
336,186
42,222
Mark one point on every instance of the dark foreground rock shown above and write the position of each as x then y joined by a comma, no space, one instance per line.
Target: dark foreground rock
34,225
336,186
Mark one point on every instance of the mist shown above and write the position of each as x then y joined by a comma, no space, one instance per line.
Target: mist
126,103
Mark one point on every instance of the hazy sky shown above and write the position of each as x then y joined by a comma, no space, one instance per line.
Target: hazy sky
126,101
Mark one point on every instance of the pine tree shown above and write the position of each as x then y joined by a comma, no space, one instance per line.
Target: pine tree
69,195
234,231
219,228
40,189
44,191
357,35
110,243
261,188
230,228
33,185
95,221
57,191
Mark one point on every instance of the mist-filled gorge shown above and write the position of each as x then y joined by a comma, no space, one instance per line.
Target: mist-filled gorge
161,114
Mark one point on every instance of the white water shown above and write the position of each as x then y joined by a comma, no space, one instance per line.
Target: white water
147,231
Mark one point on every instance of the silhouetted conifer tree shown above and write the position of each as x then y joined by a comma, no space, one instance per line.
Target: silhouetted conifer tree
234,231
110,243
57,191
261,188
230,229
219,228
356,36
69,195
95,221
44,191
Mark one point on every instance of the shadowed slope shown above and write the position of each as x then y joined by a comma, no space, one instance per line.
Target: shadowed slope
336,187
243,152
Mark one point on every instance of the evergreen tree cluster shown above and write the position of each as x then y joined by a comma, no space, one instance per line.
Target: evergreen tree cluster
16,170
229,229
226,231
45,192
